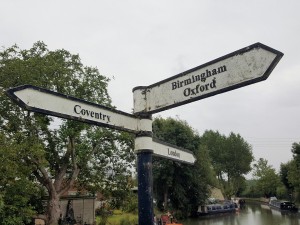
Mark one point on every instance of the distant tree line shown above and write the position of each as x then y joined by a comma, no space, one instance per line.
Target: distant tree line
284,184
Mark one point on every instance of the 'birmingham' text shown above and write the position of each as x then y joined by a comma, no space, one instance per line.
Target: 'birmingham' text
200,77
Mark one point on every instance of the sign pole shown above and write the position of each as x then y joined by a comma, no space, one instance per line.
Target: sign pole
145,187
144,151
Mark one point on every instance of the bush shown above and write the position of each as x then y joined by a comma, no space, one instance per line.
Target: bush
126,221
103,214
131,206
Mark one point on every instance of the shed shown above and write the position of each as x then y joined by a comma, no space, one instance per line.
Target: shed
82,206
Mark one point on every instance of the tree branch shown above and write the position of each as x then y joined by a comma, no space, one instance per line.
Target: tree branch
63,169
75,170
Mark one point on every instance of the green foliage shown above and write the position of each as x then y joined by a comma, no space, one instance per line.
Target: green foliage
215,143
285,185
16,189
103,213
231,158
56,154
185,187
177,185
281,192
294,167
16,201
117,219
293,174
126,221
289,173
251,190
131,204
296,152
267,179
109,169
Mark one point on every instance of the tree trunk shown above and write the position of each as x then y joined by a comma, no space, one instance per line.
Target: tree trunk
54,211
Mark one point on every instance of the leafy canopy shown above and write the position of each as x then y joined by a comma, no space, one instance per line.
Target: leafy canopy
231,159
45,153
176,185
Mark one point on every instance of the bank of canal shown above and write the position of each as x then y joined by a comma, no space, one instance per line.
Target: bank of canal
254,213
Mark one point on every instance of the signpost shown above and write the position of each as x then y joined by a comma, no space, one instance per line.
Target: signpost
240,68
52,103
237,69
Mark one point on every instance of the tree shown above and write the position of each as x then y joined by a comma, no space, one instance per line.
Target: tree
215,143
231,158
16,191
285,170
267,179
57,154
295,167
177,185
296,152
290,171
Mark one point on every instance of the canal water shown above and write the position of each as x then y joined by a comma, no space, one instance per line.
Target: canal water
252,214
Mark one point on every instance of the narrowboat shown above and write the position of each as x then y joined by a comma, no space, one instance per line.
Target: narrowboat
282,205
217,208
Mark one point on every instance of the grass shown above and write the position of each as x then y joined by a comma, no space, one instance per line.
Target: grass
118,217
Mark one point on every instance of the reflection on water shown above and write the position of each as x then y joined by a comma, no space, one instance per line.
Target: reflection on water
252,214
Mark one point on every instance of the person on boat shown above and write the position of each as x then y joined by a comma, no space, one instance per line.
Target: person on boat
168,214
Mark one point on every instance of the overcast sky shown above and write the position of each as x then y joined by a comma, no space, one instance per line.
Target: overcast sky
138,43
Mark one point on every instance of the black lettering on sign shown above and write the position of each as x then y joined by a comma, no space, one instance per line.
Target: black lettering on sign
88,113
173,153
200,88
199,77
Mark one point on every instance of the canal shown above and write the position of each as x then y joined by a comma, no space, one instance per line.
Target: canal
252,214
